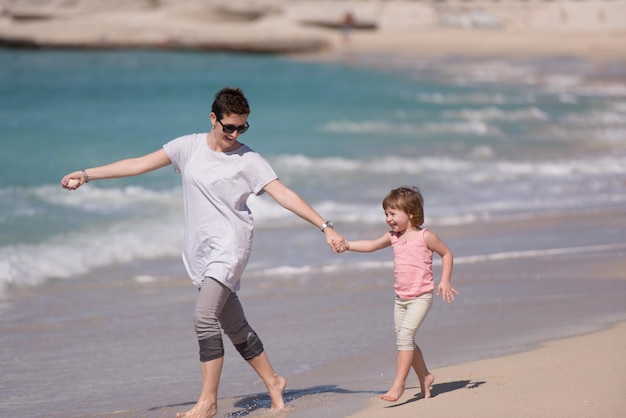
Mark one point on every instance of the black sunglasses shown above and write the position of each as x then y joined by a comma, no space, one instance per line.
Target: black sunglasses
229,129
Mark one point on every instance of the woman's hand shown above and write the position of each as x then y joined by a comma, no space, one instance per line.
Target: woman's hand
73,180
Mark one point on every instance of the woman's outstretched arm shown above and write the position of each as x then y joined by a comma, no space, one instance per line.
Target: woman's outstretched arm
121,168
291,201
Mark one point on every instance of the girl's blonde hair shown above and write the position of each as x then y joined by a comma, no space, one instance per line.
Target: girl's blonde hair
408,200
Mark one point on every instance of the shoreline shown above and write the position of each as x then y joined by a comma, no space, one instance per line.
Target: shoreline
328,45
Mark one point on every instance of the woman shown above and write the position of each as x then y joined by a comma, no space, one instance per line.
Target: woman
219,173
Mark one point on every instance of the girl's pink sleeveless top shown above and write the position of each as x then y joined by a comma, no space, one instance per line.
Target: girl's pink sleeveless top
412,266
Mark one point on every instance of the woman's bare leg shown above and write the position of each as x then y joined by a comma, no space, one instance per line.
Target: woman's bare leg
403,366
425,377
206,407
275,383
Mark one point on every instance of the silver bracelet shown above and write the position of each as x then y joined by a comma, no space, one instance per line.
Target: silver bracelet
85,176
326,225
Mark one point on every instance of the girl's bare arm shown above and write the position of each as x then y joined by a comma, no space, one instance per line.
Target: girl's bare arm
445,286
370,245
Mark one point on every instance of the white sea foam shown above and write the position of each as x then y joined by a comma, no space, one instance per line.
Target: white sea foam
465,121
302,163
463,126
602,90
568,84
377,127
619,107
145,278
468,98
78,252
510,255
353,267
107,199
493,71
387,164
269,215
474,127
597,118
493,170
495,113
137,223
568,98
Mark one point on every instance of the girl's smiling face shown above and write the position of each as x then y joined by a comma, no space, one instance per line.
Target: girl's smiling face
397,220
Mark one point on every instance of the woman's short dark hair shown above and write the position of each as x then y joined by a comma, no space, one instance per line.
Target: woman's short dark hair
230,101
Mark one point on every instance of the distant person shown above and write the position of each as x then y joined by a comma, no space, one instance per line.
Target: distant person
219,173
347,25
413,248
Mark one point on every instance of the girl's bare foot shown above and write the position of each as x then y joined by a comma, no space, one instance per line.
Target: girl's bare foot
393,394
203,409
276,390
426,384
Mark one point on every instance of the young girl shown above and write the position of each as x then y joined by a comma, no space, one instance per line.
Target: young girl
413,248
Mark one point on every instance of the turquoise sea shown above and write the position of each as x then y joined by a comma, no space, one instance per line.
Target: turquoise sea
94,301
483,140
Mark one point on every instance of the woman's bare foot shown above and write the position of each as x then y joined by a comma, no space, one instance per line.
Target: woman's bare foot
202,409
276,390
426,384
393,394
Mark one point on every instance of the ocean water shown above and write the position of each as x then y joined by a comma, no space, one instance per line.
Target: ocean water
482,140
95,275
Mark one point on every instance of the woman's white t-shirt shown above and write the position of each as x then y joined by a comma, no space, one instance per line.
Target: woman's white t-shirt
218,223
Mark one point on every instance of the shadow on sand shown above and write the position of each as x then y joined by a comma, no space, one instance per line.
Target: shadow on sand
440,388
251,403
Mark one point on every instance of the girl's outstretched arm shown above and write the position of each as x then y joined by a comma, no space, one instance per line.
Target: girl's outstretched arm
369,245
122,168
445,286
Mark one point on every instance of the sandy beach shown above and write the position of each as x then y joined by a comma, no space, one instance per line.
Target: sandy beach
574,377
597,47
591,30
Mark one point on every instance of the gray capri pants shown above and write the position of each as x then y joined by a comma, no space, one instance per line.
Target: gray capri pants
218,306
408,315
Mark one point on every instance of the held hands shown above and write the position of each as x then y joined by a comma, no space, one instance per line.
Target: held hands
447,292
341,246
335,240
